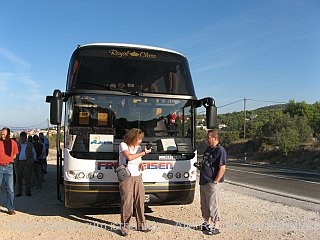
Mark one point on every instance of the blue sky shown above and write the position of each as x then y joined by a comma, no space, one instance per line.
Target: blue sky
267,51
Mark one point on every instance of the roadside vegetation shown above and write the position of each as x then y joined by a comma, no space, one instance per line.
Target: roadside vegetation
287,134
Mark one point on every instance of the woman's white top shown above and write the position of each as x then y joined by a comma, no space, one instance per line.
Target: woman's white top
133,165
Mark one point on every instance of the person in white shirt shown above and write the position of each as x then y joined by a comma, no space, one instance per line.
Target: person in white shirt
24,164
132,190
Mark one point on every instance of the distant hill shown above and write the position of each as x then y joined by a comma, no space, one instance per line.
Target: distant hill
273,107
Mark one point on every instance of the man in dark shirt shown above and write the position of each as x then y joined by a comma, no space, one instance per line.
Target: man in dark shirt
212,169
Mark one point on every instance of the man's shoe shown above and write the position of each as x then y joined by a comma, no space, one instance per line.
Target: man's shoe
18,195
11,212
145,230
123,232
213,231
203,227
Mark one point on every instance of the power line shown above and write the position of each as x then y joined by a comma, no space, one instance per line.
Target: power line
230,103
265,101
250,99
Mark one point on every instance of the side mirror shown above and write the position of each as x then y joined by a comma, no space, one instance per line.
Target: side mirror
211,111
56,102
211,116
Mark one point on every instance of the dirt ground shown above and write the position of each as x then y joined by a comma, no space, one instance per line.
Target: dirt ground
41,216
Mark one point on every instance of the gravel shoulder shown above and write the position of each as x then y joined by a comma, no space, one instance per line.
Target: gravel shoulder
245,216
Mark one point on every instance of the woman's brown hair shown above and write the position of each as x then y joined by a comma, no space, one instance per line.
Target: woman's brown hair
132,136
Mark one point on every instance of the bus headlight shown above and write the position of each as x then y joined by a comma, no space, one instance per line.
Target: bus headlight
80,175
186,174
170,175
178,175
90,175
100,175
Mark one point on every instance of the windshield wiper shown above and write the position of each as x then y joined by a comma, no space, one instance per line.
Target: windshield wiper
134,93
105,86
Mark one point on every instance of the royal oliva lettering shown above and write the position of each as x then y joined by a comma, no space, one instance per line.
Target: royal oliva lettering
117,53
114,52
147,55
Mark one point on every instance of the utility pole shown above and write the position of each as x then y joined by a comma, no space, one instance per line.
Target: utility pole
244,123
48,128
244,126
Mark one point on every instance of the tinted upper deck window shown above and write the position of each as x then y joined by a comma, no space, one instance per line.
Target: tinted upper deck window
130,70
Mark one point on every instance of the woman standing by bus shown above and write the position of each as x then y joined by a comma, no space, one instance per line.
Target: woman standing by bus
132,190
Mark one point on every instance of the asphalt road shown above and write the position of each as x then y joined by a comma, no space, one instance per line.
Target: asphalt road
285,182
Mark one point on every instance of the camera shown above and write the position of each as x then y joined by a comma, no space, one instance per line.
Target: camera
149,146
199,165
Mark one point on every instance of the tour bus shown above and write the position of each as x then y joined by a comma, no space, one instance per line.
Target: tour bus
111,88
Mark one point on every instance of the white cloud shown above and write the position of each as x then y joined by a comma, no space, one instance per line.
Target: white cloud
5,77
211,66
17,61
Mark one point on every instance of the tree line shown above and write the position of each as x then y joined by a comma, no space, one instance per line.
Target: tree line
285,126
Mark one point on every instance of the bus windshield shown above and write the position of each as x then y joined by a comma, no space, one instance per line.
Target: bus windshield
113,114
